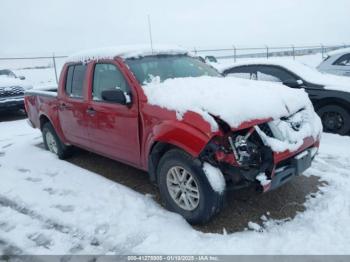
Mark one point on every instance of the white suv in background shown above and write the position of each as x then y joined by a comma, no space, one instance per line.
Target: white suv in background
337,62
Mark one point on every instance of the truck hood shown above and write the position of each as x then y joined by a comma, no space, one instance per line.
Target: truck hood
234,100
6,81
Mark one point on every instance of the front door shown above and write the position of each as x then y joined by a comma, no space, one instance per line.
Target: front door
113,128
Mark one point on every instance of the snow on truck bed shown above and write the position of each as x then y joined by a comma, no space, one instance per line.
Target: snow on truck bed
235,101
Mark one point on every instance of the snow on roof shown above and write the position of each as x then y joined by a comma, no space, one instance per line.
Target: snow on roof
305,72
125,52
339,51
294,66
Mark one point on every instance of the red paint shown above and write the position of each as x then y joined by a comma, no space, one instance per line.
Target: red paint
126,133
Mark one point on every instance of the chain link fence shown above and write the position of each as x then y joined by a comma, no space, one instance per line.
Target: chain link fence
53,64
267,52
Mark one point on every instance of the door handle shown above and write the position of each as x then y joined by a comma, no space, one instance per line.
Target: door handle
91,111
64,106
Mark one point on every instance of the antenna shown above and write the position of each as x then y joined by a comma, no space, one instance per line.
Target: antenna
150,31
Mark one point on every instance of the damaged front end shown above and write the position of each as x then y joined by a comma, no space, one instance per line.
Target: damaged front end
246,156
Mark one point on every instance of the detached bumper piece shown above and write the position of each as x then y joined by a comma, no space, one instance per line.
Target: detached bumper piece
297,166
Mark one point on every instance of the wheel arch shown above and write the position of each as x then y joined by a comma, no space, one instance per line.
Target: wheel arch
43,119
173,136
332,101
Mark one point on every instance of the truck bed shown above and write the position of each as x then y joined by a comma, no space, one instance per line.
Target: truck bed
40,102
47,91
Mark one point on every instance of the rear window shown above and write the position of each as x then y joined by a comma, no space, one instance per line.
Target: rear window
75,80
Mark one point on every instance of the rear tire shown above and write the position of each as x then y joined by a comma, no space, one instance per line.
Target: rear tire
53,143
335,119
203,203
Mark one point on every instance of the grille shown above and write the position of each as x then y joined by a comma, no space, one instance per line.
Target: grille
266,129
11,91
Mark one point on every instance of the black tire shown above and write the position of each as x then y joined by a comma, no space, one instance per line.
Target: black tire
63,151
331,113
210,202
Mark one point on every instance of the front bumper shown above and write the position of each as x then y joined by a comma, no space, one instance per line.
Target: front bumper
296,166
11,103
280,169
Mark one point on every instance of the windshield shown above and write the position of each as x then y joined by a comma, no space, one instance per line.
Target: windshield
168,66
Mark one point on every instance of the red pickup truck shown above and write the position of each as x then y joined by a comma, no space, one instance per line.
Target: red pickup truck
164,111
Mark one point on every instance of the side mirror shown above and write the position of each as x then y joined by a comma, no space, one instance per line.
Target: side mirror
293,83
116,96
22,77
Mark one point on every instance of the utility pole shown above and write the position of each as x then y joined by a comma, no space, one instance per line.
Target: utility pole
150,31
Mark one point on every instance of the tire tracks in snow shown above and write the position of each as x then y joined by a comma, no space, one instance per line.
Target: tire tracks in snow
84,240
7,248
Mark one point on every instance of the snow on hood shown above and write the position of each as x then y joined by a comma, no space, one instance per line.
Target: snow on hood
234,100
128,51
309,74
6,81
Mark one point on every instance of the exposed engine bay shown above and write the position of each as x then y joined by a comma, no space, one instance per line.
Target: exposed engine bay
245,154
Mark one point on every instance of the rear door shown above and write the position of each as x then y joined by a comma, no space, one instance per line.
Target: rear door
73,105
113,128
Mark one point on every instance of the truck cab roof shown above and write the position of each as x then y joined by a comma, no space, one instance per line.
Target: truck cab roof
130,51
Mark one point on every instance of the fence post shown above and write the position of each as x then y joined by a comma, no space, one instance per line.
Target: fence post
293,51
234,53
322,50
267,52
54,66
195,51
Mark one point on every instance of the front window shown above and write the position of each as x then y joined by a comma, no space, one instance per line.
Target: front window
107,77
168,66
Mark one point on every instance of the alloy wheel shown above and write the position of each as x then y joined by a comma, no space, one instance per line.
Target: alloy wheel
183,188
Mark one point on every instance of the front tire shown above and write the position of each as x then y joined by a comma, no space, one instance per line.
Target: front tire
184,188
53,143
335,119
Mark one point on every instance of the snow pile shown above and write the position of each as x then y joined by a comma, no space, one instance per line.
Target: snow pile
331,82
215,177
132,51
293,130
262,178
254,226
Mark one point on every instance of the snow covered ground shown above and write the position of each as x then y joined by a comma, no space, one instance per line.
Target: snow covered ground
48,206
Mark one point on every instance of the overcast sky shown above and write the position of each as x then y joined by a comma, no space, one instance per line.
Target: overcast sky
42,26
